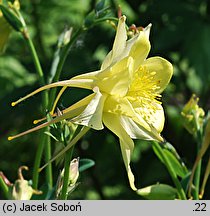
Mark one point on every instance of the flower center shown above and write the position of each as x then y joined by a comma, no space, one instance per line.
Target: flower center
143,93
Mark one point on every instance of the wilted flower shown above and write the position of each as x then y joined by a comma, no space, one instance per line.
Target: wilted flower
126,93
21,189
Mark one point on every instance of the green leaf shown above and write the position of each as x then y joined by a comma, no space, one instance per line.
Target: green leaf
85,164
177,165
158,192
185,181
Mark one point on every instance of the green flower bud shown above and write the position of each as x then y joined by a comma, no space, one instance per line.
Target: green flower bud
193,115
12,15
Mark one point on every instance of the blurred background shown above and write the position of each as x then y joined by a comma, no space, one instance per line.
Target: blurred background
180,33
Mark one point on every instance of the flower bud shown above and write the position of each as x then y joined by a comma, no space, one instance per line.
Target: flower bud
12,15
193,115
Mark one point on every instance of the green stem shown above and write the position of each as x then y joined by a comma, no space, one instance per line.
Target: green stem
45,105
68,157
197,181
198,169
37,160
5,188
173,175
48,156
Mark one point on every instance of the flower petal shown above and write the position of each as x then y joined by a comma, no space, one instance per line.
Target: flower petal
92,114
122,106
140,49
83,82
112,122
163,69
118,46
116,79
136,131
132,118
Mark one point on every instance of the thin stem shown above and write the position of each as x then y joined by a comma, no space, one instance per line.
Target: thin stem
68,157
45,105
38,158
197,181
173,175
198,169
48,173
4,188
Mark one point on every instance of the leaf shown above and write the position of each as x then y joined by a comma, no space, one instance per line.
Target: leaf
185,181
158,192
179,168
85,164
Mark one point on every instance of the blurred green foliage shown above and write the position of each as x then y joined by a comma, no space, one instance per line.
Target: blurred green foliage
180,33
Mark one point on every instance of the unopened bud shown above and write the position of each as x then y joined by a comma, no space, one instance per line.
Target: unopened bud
193,115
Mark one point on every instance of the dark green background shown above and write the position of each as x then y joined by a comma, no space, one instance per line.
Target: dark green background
180,33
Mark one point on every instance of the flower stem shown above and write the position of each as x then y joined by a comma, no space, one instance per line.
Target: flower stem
198,169
45,99
37,161
173,175
68,157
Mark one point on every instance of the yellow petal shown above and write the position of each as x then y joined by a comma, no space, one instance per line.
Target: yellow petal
80,83
136,131
112,122
140,49
122,106
153,114
116,80
118,46
132,118
92,114
163,71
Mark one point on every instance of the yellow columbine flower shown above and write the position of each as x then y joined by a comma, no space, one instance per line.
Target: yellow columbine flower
126,93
